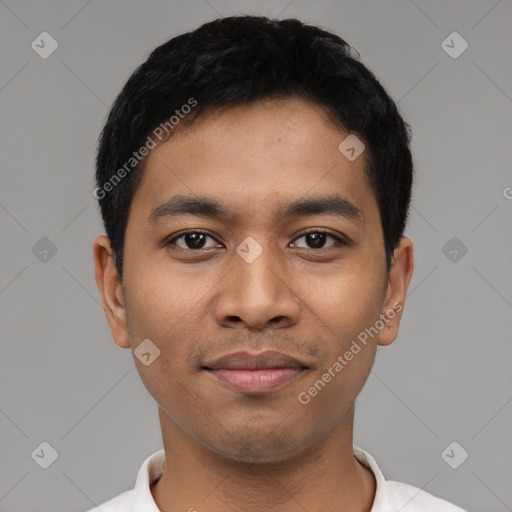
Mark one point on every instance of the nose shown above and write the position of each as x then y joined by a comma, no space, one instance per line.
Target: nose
257,294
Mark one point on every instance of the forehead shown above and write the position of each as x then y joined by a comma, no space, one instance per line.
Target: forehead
254,158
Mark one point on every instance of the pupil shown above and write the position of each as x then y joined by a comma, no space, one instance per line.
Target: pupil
195,240
318,239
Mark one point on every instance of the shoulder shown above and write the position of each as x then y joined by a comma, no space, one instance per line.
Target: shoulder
413,499
119,503
391,496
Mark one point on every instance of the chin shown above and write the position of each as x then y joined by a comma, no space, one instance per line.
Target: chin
250,447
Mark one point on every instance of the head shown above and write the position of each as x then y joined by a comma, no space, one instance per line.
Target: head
237,220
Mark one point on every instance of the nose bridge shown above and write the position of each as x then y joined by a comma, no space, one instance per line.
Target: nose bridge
256,269
256,291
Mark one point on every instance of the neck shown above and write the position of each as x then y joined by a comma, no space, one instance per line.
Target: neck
323,477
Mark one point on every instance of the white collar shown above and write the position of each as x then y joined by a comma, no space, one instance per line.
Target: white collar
153,467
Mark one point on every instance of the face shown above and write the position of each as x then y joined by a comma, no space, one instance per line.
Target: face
292,260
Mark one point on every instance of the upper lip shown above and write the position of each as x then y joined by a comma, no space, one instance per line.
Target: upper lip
263,360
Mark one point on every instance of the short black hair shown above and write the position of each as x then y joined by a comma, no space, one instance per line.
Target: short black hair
243,59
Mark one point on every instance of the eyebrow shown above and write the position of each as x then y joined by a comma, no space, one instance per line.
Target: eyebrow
181,205
329,204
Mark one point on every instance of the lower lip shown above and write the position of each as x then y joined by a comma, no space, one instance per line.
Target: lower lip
257,381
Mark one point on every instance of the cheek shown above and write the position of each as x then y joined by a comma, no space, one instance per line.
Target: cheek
346,301
166,307
349,308
161,299
159,318
346,307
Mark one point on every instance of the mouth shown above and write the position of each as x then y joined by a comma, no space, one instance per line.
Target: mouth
256,374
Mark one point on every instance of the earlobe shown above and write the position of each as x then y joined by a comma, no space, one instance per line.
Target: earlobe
399,277
111,291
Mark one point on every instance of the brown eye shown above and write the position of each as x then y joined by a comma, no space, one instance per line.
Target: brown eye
317,240
191,240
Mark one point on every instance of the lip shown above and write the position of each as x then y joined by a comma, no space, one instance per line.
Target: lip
256,373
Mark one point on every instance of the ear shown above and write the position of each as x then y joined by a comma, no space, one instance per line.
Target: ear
399,277
111,290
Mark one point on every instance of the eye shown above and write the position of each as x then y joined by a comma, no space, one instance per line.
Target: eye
316,239
191,240
196,240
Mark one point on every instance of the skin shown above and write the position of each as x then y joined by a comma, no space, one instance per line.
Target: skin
226,450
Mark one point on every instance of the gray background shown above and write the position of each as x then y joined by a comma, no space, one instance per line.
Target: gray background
446,378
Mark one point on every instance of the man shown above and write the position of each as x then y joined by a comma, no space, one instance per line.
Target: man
254,180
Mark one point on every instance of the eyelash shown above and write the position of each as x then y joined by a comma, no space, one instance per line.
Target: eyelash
339,241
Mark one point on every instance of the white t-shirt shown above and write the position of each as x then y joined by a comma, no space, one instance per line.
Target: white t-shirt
390,496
